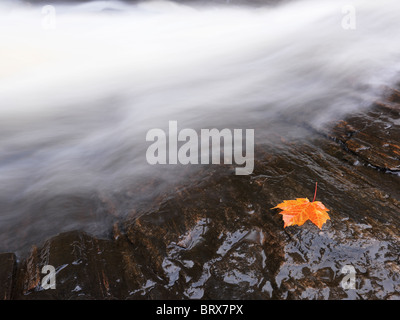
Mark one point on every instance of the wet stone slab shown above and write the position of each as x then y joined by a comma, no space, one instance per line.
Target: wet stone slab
8,265
86,268
216,237
373,136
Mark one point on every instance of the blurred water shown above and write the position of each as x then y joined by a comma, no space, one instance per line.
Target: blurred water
77,100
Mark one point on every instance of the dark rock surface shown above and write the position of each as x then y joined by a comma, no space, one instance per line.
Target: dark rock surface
8,265
86,268
218,238
373,136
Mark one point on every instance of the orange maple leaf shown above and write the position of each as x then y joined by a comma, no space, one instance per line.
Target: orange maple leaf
297,212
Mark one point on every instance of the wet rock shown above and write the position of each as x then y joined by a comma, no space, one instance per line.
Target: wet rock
7,274
211,241
216,236
373,136
86,268
95,211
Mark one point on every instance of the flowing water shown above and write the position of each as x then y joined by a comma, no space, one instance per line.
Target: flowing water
79,92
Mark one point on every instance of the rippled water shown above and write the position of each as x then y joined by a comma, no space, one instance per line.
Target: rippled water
77,100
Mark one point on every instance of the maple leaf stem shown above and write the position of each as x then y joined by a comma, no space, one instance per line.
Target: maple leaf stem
315,193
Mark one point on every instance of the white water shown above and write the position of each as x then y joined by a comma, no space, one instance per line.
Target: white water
76,101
